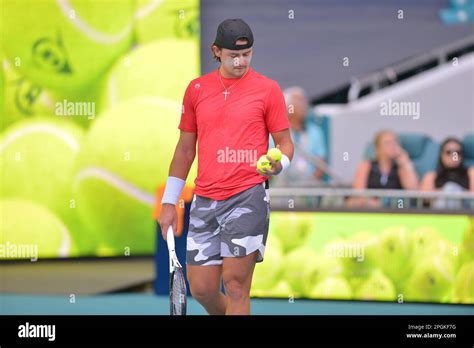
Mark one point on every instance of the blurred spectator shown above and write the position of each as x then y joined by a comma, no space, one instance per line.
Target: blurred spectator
391,168
308,138
451,174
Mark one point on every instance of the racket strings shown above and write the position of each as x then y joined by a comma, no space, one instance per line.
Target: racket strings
178,293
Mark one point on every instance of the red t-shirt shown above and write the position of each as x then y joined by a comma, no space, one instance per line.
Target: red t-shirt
232,134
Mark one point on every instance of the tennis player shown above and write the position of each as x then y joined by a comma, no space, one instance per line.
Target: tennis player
229,113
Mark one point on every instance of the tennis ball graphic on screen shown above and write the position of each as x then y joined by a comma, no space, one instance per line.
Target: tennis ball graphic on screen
423,238
376,287
282,289
160,69
36,162
431,280
292,229
66,44
467,248
360,254
124,158
335,288
295,268
318,268
395,254
29,230
267,273
159,19
22,98
463,288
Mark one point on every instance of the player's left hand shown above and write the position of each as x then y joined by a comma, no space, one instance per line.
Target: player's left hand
276,168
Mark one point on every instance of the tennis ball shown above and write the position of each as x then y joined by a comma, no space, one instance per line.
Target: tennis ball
377,287
275,154
332,288
464,284
263,163
159,19
36,161
467,248
316,269
431,281
66,45
423,238
281,290
160,69
297,266
22,98
395,249
29,230
124,158
360,254
267,273
292,229
37,158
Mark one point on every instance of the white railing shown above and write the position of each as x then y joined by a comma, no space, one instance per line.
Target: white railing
347,198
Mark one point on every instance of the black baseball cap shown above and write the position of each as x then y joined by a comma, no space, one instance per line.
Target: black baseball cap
231,30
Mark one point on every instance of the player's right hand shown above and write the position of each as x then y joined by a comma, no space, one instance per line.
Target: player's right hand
168,217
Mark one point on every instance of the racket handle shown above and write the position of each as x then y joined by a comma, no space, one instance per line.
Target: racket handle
170,238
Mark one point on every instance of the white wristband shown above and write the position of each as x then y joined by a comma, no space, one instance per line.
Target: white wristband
173,189
285,162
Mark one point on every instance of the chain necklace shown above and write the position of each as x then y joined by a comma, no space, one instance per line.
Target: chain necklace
226,90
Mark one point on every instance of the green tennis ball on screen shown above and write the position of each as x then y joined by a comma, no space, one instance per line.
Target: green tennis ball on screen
292,229
29,230
467,247
464,284
360,254
281,290
22,97
263,163
159,19
378,287
267,273
66,45
37,160
431,280
395,249
316,269
296,267
124,159
423,238
275,154
159,69
332,288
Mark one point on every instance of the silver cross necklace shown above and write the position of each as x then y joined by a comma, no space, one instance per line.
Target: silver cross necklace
226,90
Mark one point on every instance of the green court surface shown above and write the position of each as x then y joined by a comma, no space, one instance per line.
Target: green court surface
149,304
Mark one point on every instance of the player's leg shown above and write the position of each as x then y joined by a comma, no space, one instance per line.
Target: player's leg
237,274
244,219
205,286
203,259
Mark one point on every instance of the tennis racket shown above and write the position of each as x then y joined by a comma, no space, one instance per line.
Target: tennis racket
177,282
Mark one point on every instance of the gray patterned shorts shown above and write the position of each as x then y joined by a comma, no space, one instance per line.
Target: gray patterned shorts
234,227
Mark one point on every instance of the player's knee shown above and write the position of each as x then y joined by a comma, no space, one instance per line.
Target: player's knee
235,289
203,292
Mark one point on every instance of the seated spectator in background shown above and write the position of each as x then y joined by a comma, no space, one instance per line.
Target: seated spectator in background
308,138
391,168
451,174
